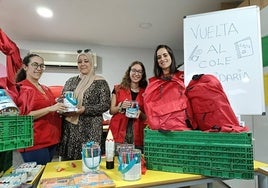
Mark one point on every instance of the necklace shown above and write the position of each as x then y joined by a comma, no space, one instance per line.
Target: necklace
136,89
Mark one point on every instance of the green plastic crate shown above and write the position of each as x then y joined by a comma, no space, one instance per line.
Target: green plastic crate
15,132
216,154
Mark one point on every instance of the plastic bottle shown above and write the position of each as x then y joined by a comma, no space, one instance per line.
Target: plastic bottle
109,150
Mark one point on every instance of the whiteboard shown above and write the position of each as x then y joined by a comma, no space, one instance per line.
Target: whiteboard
227,44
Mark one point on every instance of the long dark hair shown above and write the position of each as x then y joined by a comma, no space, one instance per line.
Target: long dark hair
126,79
21,74
158,72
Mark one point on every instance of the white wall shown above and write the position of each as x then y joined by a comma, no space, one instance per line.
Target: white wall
258,126
264,23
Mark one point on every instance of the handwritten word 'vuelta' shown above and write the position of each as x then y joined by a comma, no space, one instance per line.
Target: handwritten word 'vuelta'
214,31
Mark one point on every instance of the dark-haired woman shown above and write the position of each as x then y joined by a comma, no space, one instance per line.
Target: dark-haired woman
38,101
125,129
166,104
165,64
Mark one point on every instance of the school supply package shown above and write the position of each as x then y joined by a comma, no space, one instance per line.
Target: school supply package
91,179
7,105
91,156
25,173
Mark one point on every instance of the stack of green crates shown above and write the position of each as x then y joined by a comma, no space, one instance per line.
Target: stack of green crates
214,154
15,132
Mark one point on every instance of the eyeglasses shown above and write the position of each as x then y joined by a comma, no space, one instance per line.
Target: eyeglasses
140,72
85,51
36,65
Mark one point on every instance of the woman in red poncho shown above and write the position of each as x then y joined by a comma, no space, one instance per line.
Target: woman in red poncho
38,101
125,129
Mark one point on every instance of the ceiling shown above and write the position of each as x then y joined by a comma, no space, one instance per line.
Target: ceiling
102,22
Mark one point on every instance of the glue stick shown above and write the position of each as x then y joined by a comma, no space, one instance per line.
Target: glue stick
109,150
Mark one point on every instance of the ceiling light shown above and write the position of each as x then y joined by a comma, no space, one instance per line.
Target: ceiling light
145,25
44,12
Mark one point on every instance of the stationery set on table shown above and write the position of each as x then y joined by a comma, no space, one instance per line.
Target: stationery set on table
129,166
85,180
91,156
22,176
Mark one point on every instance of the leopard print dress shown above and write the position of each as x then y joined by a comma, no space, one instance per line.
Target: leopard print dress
96,101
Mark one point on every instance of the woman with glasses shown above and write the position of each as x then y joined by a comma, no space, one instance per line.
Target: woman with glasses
94,97
125,128
38,101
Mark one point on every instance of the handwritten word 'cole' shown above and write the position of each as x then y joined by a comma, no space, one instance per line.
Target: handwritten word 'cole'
215,62
214,31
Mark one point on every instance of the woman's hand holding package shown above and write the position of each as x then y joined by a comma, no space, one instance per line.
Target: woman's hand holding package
79,111
58,107
125,104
